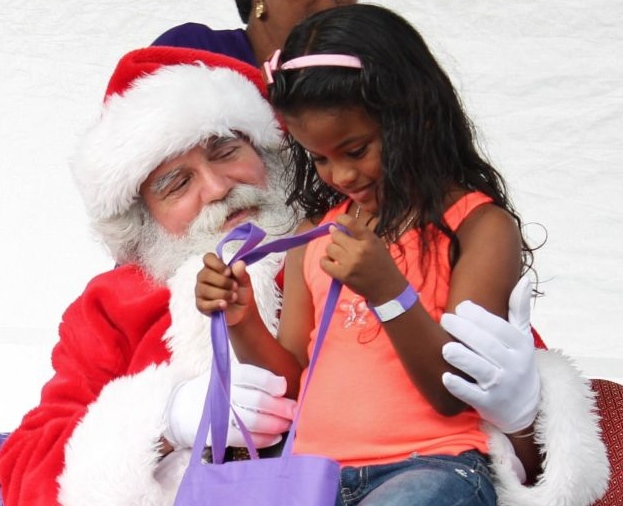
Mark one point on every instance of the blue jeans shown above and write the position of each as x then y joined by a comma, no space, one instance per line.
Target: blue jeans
433,480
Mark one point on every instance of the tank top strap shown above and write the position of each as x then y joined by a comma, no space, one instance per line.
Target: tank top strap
457,212
454,215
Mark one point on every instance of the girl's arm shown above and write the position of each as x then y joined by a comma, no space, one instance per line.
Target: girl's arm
297,313
486,271
489,264
220,287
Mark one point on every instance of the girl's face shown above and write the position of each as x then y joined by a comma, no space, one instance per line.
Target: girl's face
345,146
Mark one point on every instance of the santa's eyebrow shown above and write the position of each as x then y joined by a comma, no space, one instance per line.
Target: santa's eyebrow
161,182
218,141
223,139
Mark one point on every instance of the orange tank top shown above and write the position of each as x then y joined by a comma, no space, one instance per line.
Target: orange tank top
361,408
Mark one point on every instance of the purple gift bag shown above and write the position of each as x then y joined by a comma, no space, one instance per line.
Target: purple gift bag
289,480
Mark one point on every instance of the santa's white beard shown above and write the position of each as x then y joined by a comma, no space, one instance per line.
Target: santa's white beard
161,253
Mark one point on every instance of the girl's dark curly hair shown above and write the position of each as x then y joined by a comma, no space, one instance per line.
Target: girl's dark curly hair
428,141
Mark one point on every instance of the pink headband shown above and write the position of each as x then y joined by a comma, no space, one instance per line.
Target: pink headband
312,60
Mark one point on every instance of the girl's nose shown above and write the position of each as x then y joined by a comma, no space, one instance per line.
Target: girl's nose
343,174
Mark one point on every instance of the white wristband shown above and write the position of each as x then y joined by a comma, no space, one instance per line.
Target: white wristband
395,307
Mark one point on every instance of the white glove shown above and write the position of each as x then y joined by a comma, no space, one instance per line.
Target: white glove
257,396
499,356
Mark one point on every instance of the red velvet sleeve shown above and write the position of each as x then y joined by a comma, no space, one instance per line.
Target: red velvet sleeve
114,328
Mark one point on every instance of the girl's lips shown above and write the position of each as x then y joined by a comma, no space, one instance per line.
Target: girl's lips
361,195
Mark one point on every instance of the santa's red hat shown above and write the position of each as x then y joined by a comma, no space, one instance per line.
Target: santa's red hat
160,102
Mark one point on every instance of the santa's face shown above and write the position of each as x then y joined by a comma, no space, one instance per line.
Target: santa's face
161,251
179,189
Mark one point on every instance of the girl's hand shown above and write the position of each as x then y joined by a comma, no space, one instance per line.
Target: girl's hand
220,287
362,262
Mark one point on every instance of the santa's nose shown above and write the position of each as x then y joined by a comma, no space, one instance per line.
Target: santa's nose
215,186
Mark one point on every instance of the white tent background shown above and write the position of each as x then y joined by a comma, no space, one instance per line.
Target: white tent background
542,80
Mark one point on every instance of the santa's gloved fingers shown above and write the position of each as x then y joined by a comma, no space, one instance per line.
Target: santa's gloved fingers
261,402
235,438
482,318
519,305
261,422
507,398
484,372
469,393
184,411
251,376
493,325
472,334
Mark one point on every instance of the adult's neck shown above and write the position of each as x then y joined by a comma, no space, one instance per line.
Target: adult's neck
266,36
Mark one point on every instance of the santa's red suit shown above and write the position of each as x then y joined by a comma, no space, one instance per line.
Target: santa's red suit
112,331
101,416
127,342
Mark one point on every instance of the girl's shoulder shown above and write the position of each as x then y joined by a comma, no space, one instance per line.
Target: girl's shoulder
485,223
462,203
474,218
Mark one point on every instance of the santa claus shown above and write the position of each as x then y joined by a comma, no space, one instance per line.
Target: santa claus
186,148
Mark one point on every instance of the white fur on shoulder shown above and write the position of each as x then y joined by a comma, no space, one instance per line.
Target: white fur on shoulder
576,467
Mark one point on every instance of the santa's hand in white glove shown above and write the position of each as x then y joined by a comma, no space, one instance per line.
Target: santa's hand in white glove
499,356
257,396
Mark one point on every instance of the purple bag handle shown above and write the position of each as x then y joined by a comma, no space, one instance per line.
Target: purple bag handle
217,404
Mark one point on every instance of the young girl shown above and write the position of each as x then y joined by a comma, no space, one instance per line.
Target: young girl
381,145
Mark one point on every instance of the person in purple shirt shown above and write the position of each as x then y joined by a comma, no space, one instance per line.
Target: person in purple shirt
268,24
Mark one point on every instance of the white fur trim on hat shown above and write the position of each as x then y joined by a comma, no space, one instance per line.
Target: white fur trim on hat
161,116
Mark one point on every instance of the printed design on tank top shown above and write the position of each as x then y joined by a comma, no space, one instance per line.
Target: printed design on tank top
355,313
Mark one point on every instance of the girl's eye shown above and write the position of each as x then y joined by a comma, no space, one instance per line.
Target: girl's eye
318,160
315,159
358,152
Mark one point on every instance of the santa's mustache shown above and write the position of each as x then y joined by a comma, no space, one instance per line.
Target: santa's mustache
161,253
213,217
